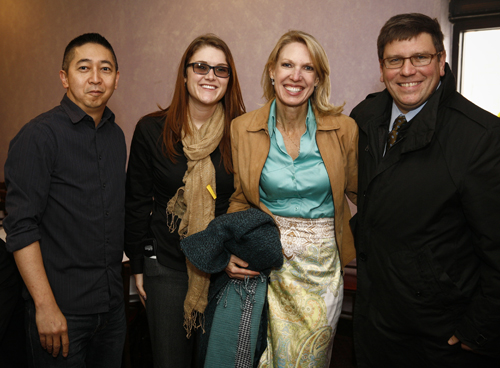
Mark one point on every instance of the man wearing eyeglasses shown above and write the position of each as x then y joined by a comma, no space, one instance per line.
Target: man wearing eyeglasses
428,224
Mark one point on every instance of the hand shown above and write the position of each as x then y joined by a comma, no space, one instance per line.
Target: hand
50,322
53,330
240,272
454,340
139,283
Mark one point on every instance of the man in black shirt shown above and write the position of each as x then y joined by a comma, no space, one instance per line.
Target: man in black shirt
65,176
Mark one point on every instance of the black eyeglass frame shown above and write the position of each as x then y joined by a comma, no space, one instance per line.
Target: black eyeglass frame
210,68
383,62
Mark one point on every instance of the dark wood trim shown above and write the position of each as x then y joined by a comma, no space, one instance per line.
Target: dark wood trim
473,8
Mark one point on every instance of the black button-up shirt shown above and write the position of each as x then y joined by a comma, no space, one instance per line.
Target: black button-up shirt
66,188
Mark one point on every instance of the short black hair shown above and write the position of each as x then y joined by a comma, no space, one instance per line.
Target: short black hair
403,27
84,39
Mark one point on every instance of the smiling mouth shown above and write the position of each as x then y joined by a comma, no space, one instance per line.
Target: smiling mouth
207,86
413,84
293,89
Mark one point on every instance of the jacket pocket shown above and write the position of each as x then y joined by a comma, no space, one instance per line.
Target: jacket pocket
151,267
435,282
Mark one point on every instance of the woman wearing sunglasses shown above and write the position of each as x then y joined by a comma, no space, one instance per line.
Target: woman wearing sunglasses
179,178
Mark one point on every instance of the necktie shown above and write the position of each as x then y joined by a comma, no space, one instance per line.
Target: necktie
393,135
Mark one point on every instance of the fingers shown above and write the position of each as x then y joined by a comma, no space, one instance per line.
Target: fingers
52,343
43,341
244,272
236,269
142,293
65,344
453,340
139,284
238,261
465,347
55,347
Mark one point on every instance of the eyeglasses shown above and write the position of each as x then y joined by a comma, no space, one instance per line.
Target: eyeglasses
204,69
396,62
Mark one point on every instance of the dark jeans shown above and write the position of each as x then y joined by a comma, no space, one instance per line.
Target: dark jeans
12,335
95,340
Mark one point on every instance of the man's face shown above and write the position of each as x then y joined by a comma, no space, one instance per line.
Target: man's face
411,86
91,78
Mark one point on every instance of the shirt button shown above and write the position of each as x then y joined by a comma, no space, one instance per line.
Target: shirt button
418,294
104,185
107,213
100,157
362,256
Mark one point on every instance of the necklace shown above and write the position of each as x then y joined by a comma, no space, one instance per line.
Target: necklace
290,138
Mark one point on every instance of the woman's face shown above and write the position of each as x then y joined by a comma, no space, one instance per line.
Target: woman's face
294,75
206,90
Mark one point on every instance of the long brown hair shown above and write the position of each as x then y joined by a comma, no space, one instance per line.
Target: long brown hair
176,114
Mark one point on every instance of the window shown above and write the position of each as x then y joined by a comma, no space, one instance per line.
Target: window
480,68
476,51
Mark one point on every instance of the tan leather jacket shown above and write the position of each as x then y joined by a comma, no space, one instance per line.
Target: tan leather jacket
337,139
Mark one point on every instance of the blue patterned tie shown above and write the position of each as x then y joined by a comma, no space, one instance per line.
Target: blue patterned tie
393,135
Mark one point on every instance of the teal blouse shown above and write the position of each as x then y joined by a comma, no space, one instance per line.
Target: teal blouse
299,188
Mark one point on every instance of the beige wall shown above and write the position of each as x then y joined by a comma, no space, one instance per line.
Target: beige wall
149,37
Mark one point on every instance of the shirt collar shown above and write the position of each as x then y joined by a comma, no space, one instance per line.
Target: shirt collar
271,122
76,114
409,115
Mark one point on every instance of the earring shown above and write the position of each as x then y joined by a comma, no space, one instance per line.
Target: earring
272,81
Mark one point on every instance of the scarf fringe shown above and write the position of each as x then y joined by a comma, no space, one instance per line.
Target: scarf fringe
193,321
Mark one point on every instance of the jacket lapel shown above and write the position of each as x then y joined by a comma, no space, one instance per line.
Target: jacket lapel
373,129
418,135
324,141
258,131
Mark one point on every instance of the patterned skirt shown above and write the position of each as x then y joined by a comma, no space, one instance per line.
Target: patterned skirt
305,296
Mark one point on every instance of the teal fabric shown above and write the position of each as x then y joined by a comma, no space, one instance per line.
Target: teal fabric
224,334
253,236
300,187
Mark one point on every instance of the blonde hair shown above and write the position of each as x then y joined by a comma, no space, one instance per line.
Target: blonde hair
320,98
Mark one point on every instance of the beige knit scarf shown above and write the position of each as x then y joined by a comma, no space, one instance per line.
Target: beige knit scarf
195,206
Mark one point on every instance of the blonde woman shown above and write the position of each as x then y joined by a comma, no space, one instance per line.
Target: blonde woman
296,158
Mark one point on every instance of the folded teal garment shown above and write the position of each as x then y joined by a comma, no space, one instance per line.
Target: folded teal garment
250,235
